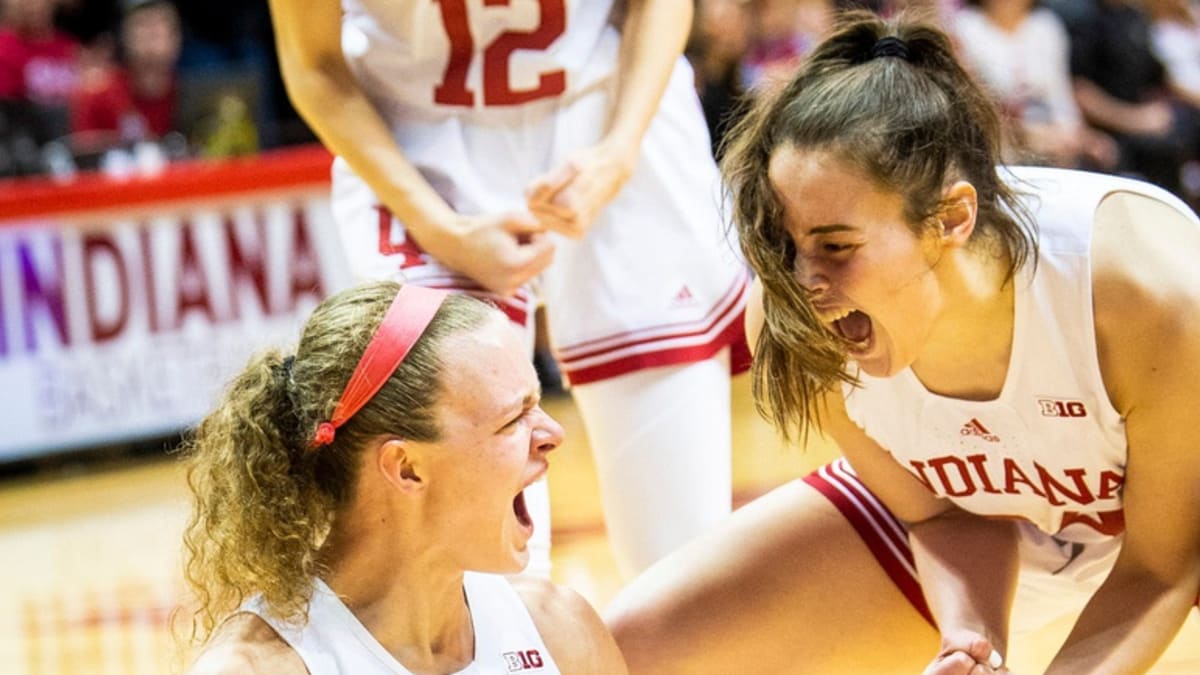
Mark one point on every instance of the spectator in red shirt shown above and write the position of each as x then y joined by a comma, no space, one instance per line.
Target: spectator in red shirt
137,99
38,69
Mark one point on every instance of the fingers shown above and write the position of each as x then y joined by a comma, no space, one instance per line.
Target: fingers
558,218
521,223
954,663
962,663
545,187
980,649
538,252
973,644
506,278
527,255
501,252
967,652
552,200
569,198
525,263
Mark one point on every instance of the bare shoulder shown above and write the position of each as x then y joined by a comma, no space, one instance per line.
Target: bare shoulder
572,630
1146,293
245,643
1146,243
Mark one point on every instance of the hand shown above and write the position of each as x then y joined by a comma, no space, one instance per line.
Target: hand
568,198
1152,119
966,653
1058,143
501,252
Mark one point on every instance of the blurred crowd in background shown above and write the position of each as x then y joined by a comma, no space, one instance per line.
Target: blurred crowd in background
1104,85
128,85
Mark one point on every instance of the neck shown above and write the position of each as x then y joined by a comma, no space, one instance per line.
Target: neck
1008,14
151,82
413,605
968,350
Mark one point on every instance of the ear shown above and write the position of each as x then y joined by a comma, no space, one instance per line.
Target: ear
397,461
957,213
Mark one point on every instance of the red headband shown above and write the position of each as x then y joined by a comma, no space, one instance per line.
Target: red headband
405,321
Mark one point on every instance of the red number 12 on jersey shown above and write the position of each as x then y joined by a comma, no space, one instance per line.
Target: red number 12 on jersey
496,88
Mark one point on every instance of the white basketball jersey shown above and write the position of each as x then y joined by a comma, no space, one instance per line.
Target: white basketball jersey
424,59
1050,448
333,642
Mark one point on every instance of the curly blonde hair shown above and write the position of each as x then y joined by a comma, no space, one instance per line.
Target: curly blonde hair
263,500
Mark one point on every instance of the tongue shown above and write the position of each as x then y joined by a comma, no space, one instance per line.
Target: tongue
855,327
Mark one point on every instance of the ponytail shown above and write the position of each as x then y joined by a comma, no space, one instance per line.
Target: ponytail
259,515
264,498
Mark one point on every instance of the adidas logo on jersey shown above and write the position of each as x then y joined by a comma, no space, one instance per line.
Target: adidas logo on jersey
684,297
975,428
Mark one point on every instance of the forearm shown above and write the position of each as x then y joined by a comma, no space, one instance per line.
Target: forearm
342,117
1189,95
968,567
1126,626
1104,110
652,39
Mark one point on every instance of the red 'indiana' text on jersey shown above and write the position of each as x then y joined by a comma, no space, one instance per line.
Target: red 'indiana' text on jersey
954,476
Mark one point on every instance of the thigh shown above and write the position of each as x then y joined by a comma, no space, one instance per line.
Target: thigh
661,442
784,585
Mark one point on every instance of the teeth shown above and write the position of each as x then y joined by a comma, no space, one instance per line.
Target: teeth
836,316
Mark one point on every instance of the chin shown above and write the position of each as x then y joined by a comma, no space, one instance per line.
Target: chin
514,561
518,563
880,368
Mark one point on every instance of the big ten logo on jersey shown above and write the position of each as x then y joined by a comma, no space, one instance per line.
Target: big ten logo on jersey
529,659
1061,407
550,23
394,240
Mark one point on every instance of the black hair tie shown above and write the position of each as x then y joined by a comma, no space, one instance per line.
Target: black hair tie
284,370
890,46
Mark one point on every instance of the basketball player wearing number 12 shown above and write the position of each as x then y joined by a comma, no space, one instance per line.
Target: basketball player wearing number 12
548,151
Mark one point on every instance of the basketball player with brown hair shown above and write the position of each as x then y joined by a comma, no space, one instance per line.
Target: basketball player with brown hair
1009,359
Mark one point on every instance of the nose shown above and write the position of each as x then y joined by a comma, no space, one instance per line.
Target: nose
547,434
810,275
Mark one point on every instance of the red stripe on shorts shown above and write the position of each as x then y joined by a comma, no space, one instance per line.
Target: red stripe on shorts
734,299
694,353
876,526
667,345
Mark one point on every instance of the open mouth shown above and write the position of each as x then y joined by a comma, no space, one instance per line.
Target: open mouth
854,327
521,511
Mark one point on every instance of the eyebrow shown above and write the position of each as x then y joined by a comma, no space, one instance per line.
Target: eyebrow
531,399
826,229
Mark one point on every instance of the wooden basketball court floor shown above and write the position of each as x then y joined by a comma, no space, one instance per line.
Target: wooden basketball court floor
89,563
